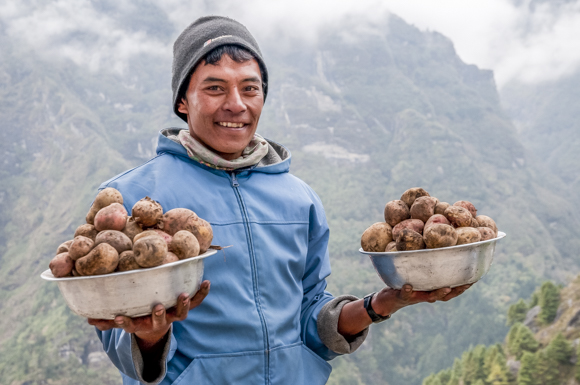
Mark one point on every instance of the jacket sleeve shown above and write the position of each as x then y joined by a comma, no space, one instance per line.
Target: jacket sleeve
320,310
122,349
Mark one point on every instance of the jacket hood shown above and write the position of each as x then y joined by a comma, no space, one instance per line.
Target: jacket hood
276,161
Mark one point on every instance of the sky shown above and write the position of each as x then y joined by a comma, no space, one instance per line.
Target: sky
519,40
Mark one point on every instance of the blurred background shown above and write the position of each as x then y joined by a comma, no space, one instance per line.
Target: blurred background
472,100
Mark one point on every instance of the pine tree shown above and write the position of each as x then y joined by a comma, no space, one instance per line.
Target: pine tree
524,342
560,350
549,301
473,365
499,372
511,338
548,371
489,359
528,374
454,380
517,312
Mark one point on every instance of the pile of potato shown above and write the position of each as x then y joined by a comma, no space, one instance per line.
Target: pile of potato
419,221
112,241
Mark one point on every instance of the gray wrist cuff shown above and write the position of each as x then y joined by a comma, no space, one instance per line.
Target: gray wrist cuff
327,325
140,363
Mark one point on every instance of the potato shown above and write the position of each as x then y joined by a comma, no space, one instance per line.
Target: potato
80,247
458,216
396,212
147,212
437,218
413,224
441,207
150,251
185,219
376,237
64,247
410,240
392,246
127,261
170,257
166,237
467,235
411,194
61,265
75,273
103,199
474,223
423,208
103,259
115,238
146,233
486,233
440,235
485,221
132,228
185,245
112,217
86,230
467,205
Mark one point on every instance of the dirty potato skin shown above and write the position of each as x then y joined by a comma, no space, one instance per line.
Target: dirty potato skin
166,237
437,218
410,240
150,251
80,247
423,208
127,261
103,199
441,207
146,233
64,247
485,221
395,212
413,224
112,217
132,228
413,193
86,230
185,219
115,238
392,246
376,237
103,259
147,212
61,265
440,235
467,205
184,245
467,235
170,257
458,216
486,233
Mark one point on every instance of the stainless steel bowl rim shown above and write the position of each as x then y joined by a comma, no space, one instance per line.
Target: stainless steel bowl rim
47,275
500,235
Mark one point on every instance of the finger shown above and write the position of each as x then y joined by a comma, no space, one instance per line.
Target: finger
102,324
200,295
179,311
158,320
125,323
439,294
406,292
456,292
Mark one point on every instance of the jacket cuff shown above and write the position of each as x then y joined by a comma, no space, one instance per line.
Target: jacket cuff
327,325
139,363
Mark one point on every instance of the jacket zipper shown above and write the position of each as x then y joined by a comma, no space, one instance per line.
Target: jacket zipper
236,187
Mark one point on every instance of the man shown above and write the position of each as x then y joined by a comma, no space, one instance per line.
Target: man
268,319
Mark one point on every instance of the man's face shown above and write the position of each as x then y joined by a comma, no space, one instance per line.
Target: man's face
223,104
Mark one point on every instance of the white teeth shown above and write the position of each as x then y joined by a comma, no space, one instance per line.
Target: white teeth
230,124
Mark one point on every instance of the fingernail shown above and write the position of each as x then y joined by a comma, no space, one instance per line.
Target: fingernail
408,289
159,313
186,302
447,291
119,321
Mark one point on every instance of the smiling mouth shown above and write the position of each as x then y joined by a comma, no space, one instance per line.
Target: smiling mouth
231,124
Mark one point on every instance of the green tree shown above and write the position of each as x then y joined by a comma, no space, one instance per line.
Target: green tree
524,342
454,380
499,373
489,358
512,336
560,350
549,301
517,312
473,365
548,371
528,374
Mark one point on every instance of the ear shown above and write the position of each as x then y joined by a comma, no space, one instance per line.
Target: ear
182,106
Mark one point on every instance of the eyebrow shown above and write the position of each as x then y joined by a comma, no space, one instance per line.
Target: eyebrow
211,79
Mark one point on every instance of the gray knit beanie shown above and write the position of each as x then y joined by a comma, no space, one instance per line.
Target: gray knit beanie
202,36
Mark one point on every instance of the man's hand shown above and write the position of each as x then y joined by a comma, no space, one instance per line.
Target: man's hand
388,301
354,318
151,329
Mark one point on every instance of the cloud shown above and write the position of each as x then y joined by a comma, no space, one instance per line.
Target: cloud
522,41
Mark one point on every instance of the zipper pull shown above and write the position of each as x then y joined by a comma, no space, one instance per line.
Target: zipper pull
234,180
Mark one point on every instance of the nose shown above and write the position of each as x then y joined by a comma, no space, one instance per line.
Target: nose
234,102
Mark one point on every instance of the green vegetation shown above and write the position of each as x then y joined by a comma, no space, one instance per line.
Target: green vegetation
549,300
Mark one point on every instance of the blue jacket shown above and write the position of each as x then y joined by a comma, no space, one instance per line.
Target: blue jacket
258,323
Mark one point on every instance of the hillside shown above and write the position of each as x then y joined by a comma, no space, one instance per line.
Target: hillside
365,115
541,347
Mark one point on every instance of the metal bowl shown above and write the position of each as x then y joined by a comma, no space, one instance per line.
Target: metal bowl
433,269
131,293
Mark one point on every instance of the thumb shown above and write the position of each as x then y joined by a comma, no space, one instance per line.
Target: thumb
406,292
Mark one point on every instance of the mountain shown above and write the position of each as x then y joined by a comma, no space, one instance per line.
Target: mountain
367,110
